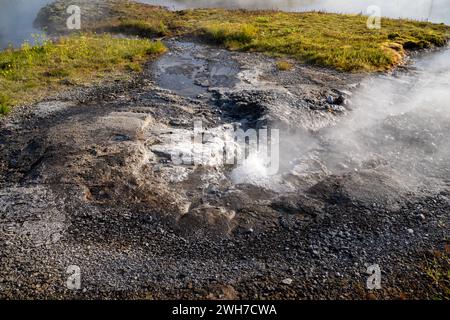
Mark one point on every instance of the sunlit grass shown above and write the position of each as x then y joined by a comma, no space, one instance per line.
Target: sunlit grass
438,271
5,104
337,41
230,34
143,28
34,71
284,65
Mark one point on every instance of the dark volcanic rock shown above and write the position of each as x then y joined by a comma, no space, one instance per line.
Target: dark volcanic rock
87,179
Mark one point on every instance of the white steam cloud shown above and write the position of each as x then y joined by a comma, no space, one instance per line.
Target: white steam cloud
16,20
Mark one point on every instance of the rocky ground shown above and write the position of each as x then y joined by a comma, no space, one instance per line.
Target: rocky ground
87,179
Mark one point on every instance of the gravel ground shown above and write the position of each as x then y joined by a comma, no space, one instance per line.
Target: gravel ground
86,180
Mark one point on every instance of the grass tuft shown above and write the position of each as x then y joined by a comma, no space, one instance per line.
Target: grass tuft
231,35
143,28
438,272
5,104
284,65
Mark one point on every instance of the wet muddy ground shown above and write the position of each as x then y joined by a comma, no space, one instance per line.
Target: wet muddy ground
87,179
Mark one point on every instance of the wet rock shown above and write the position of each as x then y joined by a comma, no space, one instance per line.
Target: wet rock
330,99
339,100
191,70
244,104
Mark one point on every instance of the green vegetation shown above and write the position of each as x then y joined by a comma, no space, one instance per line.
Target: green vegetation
143,28
5,104
284,65
438,270
32,72
338,41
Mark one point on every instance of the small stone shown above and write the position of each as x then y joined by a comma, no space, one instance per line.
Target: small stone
330,99
287,281
422,216
337,108
410,231
339,100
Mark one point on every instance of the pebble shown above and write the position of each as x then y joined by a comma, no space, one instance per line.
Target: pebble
287,281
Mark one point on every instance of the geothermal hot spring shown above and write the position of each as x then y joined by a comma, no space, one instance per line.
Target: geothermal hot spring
399,123
398,120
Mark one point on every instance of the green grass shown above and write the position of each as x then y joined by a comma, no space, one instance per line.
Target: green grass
284,65
337,41
5,104
438,271
143,28
33,72
230,34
